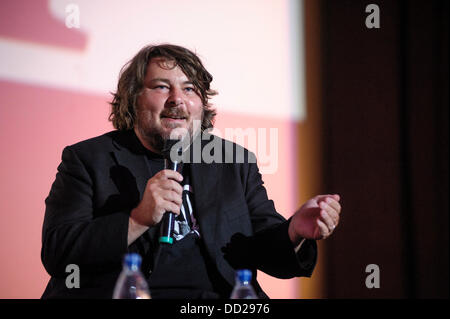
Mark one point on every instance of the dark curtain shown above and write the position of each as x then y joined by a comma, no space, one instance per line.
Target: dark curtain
386,147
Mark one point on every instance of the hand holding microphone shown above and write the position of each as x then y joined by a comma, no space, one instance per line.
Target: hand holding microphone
173,164
163,193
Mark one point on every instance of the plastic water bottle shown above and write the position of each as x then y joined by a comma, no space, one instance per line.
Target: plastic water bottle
243,289
131,284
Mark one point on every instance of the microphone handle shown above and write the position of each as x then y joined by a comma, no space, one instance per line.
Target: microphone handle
168,220
167,224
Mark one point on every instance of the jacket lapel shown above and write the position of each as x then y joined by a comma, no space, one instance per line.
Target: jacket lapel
206,180
130,153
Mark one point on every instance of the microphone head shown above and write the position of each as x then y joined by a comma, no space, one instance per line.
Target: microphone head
173,151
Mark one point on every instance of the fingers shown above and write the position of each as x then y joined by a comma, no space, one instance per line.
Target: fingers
318,217
320,198
172,191
328,198
323,229
330,214
169,174
330,203
174,201
172,207
334,204
170,185
166,192
168,180
165,201
336,197
327,220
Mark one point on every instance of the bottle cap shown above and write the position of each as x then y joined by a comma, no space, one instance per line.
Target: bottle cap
244,275
133,261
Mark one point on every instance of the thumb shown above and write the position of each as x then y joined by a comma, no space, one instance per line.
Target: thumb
321,198
337,197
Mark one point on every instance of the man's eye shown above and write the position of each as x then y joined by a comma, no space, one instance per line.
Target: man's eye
189,89
161,87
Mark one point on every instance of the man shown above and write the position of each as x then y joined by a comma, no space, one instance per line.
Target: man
111,193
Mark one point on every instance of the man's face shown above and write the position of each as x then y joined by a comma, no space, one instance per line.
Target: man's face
168,101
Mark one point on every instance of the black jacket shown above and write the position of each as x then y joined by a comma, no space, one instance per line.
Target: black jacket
99,182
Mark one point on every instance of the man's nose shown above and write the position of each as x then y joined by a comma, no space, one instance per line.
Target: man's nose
175,97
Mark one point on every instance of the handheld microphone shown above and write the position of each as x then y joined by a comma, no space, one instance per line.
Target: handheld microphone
168,220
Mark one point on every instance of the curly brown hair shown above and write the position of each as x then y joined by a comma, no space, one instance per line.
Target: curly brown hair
131,82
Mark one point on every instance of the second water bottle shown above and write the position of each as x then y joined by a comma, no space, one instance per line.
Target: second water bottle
243,288
131,283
